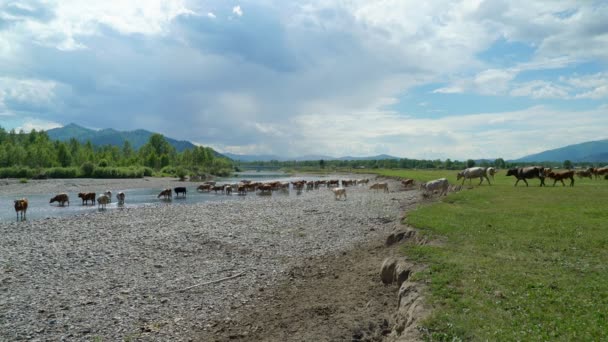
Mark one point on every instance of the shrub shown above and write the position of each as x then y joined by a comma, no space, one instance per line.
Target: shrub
23,180
16,172
62,172
87,169
148,172
103,163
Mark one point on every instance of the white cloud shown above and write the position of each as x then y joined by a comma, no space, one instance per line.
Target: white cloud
211,15
31,123
237,10
540,90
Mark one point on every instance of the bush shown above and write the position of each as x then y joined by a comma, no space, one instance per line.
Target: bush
103,163
62,172
87,169
118,172
16,172
23,180
148,172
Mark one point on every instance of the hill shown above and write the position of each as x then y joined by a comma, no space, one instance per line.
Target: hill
591,151
110,136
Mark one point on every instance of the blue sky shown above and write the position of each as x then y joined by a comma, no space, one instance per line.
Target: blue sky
433,79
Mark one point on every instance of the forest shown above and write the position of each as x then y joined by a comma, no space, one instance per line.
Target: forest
35,155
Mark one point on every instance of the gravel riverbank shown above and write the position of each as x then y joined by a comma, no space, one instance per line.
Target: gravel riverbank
120,275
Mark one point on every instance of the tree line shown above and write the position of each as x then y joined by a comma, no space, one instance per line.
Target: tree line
34,154
403,163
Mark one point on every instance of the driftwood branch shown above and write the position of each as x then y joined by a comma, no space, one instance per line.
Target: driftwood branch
203,284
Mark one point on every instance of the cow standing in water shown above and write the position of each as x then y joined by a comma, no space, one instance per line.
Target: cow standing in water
180,190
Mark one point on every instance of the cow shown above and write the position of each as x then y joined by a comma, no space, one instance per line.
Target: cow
473,172
560,176
242,190
378,186
21,208
584,174
523,173
228,189
339,193
490,172
102,200
180,190
217,188
166,194
109,194
265,189
61,199
204,187
407,182
602,171
440,185
121,198
86,197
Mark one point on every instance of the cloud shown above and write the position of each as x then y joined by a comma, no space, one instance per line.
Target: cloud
237,10
304,77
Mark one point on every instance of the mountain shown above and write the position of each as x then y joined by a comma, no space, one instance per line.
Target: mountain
269,157
110,136
591,151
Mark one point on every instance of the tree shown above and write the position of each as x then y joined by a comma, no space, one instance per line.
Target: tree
567,164
322,163
470,163
500,163
63,155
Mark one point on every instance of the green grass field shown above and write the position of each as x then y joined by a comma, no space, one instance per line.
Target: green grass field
515,263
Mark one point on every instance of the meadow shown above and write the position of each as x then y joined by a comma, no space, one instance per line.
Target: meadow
514,263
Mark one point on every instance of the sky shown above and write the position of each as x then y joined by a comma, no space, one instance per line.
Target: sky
413,79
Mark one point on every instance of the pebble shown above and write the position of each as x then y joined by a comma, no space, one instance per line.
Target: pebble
130,257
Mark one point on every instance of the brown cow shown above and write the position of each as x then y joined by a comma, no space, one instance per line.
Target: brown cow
584,174
21,207
86,197
61,199
204,187
561,175
167,194
407,182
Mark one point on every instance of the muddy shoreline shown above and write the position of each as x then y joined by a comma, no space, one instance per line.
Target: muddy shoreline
120,275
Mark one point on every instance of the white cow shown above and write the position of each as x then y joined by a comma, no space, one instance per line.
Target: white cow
441,185
121,198
339,192
473,172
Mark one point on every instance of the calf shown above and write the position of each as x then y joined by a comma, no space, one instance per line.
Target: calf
339,192
21,208
560,176
523,173
180,190
102,200
440,185
61,199
86,197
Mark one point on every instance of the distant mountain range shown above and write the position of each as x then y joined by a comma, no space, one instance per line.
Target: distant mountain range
269,157
591,151
110,136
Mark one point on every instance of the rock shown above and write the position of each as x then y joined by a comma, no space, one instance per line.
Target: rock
387,272
402,271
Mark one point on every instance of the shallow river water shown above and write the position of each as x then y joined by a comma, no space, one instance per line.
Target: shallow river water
40,208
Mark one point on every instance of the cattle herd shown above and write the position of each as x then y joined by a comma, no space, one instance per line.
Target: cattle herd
439,186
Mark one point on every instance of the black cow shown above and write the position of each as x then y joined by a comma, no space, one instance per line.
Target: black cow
523,173
180,190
